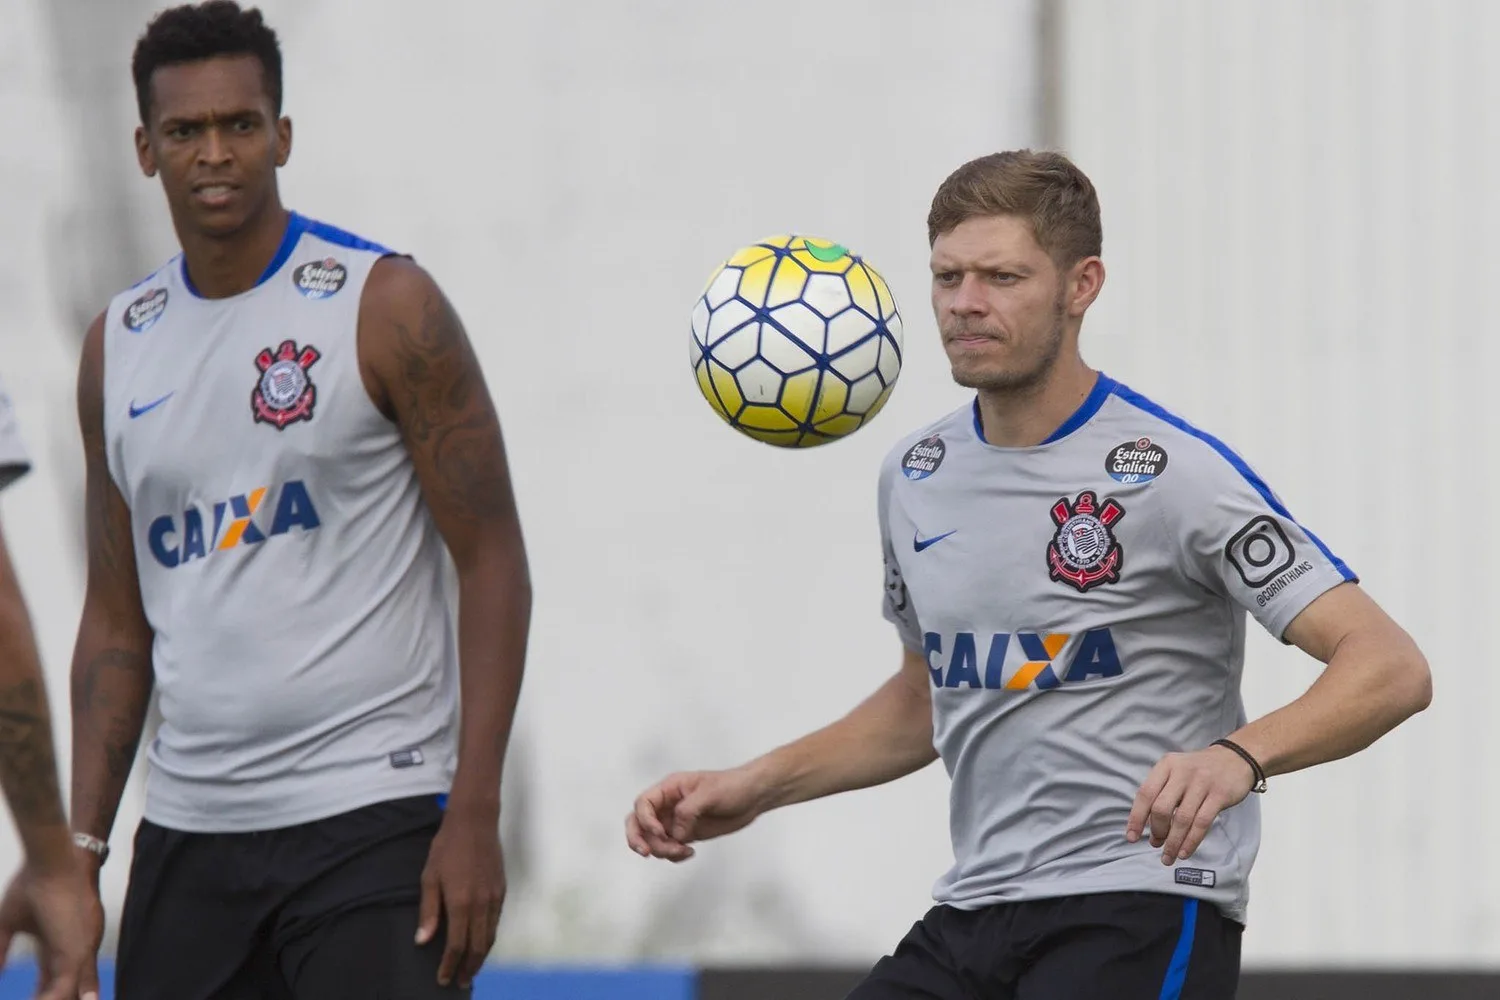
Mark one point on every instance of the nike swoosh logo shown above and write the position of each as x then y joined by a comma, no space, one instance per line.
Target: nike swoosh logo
136,411
921,543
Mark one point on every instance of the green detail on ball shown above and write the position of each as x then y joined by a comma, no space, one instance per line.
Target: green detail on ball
826,254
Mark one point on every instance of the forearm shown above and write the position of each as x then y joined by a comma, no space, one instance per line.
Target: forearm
111,690
1373,682
494,614
887,736
28,763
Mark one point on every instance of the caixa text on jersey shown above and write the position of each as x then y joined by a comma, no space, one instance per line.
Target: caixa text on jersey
1020,661
233,523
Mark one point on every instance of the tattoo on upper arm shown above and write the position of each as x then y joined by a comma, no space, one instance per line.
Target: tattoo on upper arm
28,764
447,415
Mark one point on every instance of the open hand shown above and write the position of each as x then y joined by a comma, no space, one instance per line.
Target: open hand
1182,796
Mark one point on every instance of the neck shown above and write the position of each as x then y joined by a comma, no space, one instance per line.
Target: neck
222,266
1022,418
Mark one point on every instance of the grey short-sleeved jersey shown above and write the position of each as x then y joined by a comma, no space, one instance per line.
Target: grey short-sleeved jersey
1081,608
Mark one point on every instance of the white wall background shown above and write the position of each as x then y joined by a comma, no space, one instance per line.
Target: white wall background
1296,203
1299,216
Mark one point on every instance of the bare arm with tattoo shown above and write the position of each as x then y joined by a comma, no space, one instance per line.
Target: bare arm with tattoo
28,764
112,679
48,898
422,372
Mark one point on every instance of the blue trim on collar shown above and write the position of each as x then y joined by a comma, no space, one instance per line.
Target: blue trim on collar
295,227
1103,387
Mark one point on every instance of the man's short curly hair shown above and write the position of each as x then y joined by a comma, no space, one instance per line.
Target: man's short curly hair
193,32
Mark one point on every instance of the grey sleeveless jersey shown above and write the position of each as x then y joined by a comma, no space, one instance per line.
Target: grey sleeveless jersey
1081,607
305,650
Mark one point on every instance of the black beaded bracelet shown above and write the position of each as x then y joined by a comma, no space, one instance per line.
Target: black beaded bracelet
1260,775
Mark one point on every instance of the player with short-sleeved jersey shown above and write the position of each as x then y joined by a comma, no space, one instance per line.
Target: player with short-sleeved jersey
1079,623
1069,567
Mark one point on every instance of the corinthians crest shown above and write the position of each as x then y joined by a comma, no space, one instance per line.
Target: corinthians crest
1085,553
285,393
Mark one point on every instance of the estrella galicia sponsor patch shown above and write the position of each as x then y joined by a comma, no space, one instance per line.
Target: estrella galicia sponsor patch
923,458
1203,877
1138,461
320,279
142,314
1084,552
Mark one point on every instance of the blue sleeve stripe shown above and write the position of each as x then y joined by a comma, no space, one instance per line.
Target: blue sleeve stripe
1240,465
298,225
339,237
1171,987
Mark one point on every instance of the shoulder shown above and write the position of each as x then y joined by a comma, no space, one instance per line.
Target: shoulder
1192,460
917,454
337,237
138,307
408,331
401,300
398,286
323,258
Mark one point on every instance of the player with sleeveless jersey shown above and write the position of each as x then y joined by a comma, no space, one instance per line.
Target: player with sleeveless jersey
1068,566
293,462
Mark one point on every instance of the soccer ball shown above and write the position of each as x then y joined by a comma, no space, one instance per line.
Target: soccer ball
796,341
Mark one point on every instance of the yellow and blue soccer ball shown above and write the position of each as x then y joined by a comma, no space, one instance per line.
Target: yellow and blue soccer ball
796,341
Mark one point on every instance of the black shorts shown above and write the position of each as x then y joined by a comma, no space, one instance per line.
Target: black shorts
322,911
1110,946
